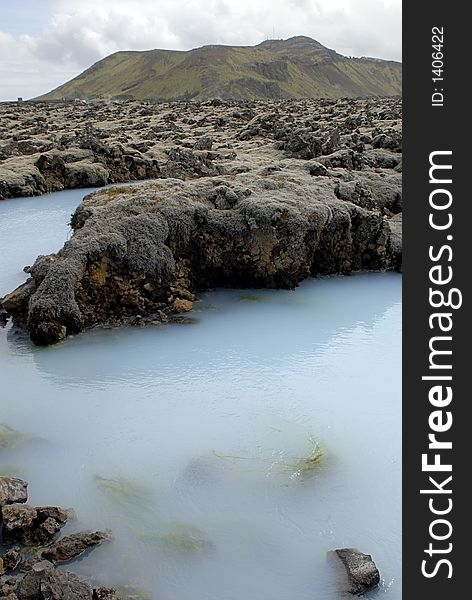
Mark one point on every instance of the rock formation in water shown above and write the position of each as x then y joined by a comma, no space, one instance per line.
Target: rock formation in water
361,571
249,196
30,551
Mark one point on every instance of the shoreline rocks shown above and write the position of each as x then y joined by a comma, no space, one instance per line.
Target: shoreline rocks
30,551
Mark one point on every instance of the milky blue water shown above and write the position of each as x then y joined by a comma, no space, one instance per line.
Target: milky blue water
188,440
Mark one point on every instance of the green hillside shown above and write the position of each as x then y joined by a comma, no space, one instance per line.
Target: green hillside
295,68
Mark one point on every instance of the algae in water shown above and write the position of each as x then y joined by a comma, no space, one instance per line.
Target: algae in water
122,490
307,466
10,437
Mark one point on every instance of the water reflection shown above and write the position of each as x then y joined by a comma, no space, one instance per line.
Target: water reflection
295,325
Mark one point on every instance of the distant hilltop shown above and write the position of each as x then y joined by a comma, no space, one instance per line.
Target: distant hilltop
299,67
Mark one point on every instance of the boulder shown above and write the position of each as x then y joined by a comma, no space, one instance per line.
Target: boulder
32,526
47,583
12,491
362,573
74,545
58,585
204,143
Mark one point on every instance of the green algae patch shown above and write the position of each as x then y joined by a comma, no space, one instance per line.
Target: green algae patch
122,490
11,471
200,306
185,537
184,542
10,437
130,592
250,298
31,549
175,537
307,466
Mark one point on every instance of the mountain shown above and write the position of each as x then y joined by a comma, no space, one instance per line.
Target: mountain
299,67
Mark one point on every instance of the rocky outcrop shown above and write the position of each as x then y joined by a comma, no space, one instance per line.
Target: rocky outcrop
30,551
253,195
362,573
147,250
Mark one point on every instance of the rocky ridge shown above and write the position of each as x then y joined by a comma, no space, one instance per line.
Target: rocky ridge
246,195
298,67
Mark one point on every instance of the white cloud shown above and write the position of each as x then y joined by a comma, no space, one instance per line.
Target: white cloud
78,34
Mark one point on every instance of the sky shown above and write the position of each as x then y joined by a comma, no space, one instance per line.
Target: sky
44,43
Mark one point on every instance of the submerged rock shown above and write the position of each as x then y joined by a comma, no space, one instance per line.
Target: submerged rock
12,491
362,573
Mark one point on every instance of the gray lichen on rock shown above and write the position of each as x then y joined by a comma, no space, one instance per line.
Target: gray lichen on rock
143,252
284,191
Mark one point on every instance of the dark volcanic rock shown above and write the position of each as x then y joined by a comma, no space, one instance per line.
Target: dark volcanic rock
204,143
57,585
47,583
11,559
309,188
12,491
3,320
105,594
183,164
131,249
30,525
74,545
362,574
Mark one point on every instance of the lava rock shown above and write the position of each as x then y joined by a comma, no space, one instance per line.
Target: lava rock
47,583
105,594
362,573
12,491
32,526
11,558
74,545
204,143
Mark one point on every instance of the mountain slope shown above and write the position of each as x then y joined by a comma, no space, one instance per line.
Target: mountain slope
295,68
